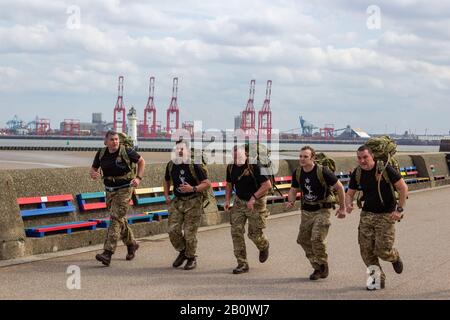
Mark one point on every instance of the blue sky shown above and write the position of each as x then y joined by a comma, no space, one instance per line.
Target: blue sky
325,63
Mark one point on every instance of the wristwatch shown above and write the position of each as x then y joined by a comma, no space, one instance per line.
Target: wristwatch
140,178
400,209
194,188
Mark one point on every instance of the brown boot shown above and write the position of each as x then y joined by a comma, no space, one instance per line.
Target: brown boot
264,254
105,257
324,271
132,250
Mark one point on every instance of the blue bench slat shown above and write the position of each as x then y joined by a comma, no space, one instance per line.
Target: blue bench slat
219,193
92,195
151,200
46,211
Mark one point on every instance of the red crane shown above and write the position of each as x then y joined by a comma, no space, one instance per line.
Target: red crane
189,126
150,112
71,127
248,115
42,126
265,114
119,110
172,124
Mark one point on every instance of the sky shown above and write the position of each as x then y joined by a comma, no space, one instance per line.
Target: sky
383,69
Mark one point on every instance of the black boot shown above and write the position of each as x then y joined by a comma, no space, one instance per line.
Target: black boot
132,250
324,271
315,275
398,266
105,257
190,264
241,268
264,254
179,260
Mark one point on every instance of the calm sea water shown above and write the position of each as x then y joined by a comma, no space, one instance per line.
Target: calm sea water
167,144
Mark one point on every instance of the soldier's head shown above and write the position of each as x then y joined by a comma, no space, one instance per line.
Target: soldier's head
240,155
112,140
365,157
182,149
307,156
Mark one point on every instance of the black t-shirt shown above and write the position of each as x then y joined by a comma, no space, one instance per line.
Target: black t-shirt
246,184
182,173
113,165
369,186
312,189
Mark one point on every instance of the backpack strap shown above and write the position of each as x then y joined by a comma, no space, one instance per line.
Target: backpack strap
169,169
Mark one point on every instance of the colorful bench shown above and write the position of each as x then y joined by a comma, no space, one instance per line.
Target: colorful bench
149,196
43,209
67,228
219,188
85,203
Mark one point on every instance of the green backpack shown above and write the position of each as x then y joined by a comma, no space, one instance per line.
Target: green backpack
208,198
126,143
383,149
322,161
260,154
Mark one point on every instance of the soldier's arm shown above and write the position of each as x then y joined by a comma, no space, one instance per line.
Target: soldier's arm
341,193
292,195
349,196
140,167
402,189
265,186
228,192
205,184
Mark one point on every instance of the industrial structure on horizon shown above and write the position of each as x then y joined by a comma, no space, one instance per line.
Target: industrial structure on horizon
152,128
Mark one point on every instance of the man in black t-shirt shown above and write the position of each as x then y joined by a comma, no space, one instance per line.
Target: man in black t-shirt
376,231
250,204
189,180
315,182
115,161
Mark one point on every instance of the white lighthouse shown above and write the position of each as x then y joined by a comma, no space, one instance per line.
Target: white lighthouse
132,125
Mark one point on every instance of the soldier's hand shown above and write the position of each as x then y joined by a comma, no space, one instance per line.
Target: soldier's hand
340,213
95,175
396,216
290,205
349,208
168,200
185,188
135,182
226,206
250,203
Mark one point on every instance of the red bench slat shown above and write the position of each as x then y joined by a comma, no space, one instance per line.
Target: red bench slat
45,199
71,226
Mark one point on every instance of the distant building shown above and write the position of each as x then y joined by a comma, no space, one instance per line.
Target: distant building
237,122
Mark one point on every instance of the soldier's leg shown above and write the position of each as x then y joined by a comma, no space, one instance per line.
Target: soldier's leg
256,224
176,218
192,220
385,238
124,196
304,237
114,203
319,234
237,220
366,240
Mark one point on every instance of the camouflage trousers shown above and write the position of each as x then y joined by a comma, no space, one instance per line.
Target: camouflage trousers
118,204
256,223
312,236
376,236
185,216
